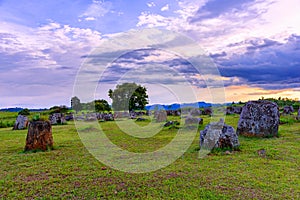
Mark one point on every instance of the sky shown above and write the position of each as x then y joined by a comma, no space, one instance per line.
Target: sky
46,45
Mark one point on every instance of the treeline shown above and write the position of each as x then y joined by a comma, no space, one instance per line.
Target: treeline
281,102
99,105
127,96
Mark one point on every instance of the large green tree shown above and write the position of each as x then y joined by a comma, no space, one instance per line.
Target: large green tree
128,96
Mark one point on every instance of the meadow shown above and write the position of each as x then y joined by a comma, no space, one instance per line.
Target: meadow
71,172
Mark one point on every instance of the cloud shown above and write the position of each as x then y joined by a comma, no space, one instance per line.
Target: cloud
41,61
153,20
165,8
244,38
49,46
217,25
245,93
217,55
259,43
151,4
149,66
266,64
214,8
96,10
90,19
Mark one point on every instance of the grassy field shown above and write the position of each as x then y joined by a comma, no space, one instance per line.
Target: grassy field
71,172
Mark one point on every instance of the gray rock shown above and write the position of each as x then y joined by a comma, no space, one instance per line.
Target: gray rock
207,111
160,116
91,117
298,116
140,119
69,117
195,112
218,135
288,110
57,118
233,110
171,123
259,119
193,120
173,112
21,122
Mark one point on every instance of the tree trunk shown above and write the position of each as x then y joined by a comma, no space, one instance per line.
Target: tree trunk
39,136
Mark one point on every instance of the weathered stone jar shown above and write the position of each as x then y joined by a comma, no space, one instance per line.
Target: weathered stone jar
39,136
259,119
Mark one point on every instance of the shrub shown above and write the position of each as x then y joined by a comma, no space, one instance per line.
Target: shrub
6,124
24,112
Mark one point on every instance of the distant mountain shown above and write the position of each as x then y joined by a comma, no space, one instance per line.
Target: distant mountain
176,106
17,109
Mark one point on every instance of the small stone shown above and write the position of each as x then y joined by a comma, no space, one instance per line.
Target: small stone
262,153
228,152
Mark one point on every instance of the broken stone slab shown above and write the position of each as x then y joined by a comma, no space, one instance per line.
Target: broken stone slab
21,122
218,135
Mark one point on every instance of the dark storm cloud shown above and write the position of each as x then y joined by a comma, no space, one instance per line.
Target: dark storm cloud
217,55
259,44
266,64
215,8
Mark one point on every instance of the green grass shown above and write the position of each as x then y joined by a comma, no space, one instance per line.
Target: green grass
71,172
7,119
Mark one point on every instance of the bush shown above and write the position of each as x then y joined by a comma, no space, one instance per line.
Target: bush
6,124
36,117
24,112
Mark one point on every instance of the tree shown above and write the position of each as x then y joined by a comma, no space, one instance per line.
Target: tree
59,109
75,104
24,112
88,106
101,105
128,96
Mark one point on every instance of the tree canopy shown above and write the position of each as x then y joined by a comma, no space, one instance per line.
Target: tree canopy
128,96
59,109
99,105
25,111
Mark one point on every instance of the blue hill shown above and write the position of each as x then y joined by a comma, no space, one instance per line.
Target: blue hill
17,109
177,106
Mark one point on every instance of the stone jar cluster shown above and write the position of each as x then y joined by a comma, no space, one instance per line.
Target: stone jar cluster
257,119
